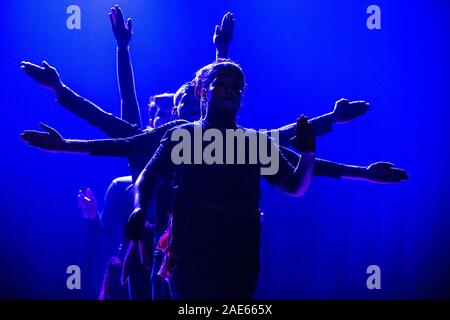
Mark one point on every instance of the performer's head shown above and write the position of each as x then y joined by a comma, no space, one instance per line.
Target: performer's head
186,103
160,109
219,86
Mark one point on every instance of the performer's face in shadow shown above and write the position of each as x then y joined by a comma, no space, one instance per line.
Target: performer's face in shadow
189,106
160,112
225,91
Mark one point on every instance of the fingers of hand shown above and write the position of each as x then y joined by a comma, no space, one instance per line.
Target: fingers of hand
359,105
401,174
342,101
303,124
217,30
119,16
46,65
89,193
112,19
81,199
50,130
129,24
32,135
46,127
31,69
224,19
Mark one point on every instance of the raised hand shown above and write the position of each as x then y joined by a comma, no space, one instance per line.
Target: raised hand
223,35
50,140
304,140
47,76
88,204
122,32
345,110
385,172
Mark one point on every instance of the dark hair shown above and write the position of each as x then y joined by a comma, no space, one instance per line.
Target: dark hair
205,75
164,100
187,88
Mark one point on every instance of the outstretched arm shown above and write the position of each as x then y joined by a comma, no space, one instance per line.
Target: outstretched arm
344,111
123,33
51,140
48,76
223,35
378,172
141,146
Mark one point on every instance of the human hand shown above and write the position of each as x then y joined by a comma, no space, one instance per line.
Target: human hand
385,172
345,110
88,204
50,140
47,76
223,35
122,31
304,140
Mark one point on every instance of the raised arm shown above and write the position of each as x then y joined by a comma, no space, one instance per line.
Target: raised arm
123,33
223,35
344,111
49,77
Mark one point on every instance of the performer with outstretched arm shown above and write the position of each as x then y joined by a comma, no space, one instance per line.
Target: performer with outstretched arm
215,224
344,111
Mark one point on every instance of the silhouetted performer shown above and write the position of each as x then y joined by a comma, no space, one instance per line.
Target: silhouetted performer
215,237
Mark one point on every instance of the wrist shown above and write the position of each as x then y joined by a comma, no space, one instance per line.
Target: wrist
123,46
221,54
333,117
59,88
365,173
65,145
309,154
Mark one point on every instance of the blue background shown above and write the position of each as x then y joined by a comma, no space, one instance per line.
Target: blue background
299,57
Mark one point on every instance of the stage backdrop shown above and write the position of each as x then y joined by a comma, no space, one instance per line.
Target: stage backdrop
299,58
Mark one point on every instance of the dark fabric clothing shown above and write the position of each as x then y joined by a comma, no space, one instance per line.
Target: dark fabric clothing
216,222
113,126
221,185
139,149
139,280
231,183
117,206
88,111
323,168
320,126
160,287
113,218
118,203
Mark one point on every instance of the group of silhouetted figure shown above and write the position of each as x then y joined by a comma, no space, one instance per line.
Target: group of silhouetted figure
189,230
